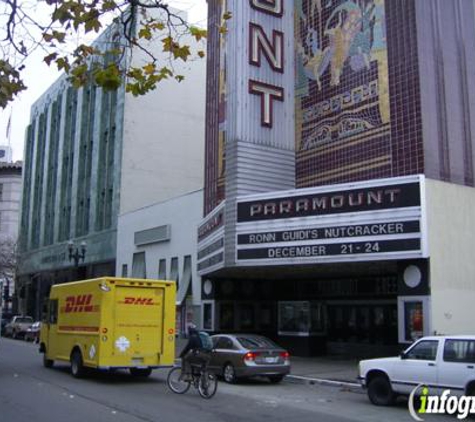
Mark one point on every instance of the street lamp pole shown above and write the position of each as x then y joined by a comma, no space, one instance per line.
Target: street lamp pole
77,254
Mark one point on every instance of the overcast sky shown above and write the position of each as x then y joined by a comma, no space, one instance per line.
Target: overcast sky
39,77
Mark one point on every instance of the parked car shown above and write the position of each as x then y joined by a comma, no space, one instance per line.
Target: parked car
247,355
33,333
18,325
6,318
442,362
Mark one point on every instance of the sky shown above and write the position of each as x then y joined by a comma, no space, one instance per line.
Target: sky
38,77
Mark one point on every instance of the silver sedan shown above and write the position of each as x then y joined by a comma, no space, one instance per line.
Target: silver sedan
238,356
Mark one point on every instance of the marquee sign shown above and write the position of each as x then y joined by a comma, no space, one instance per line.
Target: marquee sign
316,202
210,255
374,220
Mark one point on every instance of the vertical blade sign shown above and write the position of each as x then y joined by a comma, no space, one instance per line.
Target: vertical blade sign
272,49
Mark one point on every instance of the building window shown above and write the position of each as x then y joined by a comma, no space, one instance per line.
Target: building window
138,265
174,271
187,275
208,315
67,163
52,166
162,269
125,270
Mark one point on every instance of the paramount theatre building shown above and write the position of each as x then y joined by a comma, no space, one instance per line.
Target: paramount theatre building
339,184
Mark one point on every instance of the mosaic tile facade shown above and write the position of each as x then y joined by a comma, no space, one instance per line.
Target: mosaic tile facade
215,108
350,108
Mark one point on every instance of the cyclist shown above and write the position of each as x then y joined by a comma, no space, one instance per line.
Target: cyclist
194,353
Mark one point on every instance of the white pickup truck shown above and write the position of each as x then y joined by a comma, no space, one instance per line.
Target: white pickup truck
439,362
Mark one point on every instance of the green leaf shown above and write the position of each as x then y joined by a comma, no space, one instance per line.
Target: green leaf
109,78
198,33
145,32
63,64
109,6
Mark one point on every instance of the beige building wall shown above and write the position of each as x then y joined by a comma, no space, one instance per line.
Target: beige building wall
163,141
451,237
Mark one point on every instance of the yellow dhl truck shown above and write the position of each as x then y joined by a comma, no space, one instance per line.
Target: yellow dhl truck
110,323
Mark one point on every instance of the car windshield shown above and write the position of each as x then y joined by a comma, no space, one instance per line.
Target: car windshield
256,343
24,319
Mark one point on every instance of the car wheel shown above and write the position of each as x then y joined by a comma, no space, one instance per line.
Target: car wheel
275,379
380,392
229,374
140,372
77,366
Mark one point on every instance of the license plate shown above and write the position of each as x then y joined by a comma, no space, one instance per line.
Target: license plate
137,361
270,360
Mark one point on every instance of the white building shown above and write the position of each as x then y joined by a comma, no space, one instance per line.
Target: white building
10,195
160,241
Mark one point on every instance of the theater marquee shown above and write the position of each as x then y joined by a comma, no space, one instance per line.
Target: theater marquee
376,220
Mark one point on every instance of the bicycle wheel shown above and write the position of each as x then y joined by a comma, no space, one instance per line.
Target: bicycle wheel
175,383
208,385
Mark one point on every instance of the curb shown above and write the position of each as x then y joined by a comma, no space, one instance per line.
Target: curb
298,379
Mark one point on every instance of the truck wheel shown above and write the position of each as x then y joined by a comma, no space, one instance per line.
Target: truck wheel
47,363
140,372
380,392
77,367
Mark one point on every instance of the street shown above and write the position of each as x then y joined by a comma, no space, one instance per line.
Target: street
29,392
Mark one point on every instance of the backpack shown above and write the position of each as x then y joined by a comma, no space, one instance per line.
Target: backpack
205,340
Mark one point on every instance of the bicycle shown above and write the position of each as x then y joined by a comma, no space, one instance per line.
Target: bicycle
204,381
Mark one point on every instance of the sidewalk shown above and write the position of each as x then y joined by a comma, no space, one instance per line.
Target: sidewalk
322,369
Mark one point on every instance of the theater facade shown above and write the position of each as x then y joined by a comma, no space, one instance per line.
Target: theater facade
339,175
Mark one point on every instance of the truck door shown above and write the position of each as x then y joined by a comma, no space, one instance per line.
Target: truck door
49,331
138,328
419,366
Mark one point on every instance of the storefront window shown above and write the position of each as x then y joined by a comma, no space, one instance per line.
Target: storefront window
413,321
226,316
301,318
208,316
414,317
265,316
246,316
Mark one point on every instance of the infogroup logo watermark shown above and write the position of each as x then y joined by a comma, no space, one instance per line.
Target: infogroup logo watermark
444,403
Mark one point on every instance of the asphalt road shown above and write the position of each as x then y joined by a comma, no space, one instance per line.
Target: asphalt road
31,393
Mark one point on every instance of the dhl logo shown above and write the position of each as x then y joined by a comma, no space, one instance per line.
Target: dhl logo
79,303
138,301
